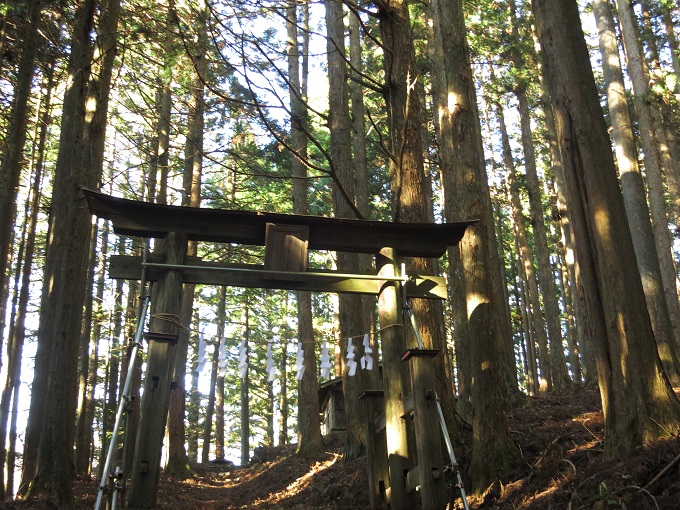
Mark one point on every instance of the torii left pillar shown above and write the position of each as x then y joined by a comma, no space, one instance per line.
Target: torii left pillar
166,303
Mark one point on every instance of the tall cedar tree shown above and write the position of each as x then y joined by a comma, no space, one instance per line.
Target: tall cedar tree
350,312
53,399
12,158
633,189
637,400
309,430
17,327
467,196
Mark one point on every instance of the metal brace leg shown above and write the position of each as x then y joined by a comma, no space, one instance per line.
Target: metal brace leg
445,431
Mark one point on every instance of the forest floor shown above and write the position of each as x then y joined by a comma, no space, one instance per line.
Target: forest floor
560,437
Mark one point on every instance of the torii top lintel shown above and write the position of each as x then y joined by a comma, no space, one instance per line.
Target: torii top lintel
144,219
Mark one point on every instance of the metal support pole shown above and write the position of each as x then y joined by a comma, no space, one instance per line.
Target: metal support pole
125,398
445,430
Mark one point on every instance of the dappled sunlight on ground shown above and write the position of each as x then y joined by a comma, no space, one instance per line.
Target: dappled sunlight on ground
560,439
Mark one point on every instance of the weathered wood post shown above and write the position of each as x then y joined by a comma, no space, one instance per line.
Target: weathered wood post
429,473
395,383
164,326
376,450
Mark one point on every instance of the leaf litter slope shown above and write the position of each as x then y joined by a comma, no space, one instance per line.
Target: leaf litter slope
561,439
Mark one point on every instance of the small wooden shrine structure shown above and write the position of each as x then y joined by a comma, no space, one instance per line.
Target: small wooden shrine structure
395,471
332,406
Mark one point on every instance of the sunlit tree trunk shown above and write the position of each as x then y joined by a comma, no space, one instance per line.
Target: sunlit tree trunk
633,188
309,430
636,409
53,401
537,322
654,158
493,451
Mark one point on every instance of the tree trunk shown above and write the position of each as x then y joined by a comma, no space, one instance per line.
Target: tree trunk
493,451
53,401
219,417
456,280
194,408
571,280
113,372
528,323
537,323
633,188
309,430
164,107
668,25
82,442
245,402
653,156
133,310
568,305
210,408
12,162
178,462
17,329
546,278
636,409
350,306
283,394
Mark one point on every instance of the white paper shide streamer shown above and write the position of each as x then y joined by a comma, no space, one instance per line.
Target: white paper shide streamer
300,364
271,369
242,360
202,358
222,357
325,361
367,359
351,364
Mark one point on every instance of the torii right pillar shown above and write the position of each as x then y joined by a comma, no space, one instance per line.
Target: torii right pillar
395,381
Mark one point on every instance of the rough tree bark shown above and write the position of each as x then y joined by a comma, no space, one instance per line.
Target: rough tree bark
633,189
53,399
350,306
637,400
493,451
309,429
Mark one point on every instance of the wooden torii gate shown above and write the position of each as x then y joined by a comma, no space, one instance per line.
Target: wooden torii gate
287,239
